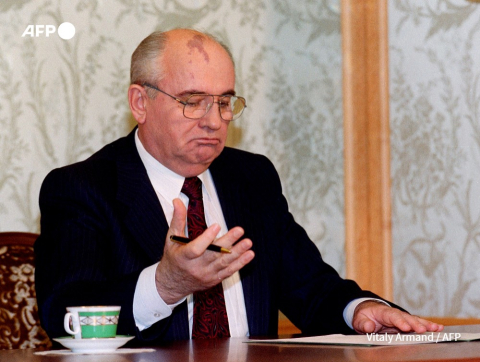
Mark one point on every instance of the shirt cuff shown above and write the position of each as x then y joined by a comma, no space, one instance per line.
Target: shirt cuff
349,310
148,306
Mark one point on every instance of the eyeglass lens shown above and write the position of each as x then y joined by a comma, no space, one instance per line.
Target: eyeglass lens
198,105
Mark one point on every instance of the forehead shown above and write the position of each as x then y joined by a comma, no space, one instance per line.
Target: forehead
193,61
198,44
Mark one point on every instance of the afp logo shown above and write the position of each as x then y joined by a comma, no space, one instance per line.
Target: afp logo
65,31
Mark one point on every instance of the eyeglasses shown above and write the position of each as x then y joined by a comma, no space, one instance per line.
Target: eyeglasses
197,105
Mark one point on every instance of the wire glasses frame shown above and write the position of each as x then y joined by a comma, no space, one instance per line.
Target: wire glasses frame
197,106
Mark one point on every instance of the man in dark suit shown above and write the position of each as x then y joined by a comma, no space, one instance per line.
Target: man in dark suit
106,221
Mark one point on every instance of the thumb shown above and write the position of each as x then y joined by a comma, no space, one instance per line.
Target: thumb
363,324
177,226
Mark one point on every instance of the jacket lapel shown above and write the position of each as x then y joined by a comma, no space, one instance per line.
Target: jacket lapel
144,217
142,211
239,211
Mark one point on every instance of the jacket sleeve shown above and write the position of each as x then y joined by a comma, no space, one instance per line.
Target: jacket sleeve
85,255
308,290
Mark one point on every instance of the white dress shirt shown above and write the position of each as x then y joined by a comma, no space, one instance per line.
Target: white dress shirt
148,306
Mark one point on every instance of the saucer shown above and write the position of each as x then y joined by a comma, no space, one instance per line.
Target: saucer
93,345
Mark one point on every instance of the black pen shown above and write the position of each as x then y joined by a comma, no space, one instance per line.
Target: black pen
212,247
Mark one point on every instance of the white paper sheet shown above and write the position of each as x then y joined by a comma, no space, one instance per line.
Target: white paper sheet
374,339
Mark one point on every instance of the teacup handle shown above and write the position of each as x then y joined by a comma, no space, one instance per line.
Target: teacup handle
66,324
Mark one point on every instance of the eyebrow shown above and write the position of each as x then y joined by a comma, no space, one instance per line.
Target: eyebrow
188,92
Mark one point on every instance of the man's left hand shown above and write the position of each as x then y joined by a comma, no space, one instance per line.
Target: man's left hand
376,317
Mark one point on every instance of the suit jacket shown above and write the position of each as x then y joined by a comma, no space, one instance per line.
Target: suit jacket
102,224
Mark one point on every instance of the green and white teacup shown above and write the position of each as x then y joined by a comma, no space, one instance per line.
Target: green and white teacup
92,322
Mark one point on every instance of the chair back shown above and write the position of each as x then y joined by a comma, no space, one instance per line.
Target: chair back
19,322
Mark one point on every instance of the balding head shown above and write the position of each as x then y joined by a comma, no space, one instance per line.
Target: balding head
147,65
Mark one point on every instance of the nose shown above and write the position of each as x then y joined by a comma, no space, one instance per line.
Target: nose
212,118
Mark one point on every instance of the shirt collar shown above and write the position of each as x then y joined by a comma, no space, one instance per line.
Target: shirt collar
166,182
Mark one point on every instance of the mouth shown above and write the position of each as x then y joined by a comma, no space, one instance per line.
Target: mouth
207,141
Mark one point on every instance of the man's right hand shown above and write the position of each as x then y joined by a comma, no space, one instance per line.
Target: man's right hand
187,268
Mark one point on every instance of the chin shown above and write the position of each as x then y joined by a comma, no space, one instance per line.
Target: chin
208,154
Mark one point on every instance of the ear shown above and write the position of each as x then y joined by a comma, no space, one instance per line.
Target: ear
137,100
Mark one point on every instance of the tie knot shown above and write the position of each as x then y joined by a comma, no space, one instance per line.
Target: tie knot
192,187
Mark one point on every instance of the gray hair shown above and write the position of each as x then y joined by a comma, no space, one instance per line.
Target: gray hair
144,66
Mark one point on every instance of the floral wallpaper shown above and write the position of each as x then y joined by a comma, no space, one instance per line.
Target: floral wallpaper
63,99
435,140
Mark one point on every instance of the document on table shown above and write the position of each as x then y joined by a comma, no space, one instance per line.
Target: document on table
376,339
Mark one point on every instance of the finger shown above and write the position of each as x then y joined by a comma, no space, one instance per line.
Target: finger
405,322
196,248
236,252
241,247
420,325
429,326
209,235
177,226
392,319
432,326
363,324
414,324
227,264
230,238
235,265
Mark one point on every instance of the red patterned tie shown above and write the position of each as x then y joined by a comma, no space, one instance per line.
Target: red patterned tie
210,318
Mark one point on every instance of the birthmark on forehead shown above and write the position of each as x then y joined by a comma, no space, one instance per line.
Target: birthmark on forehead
197,43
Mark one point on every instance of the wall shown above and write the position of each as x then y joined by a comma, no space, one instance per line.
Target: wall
435,140
60,100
